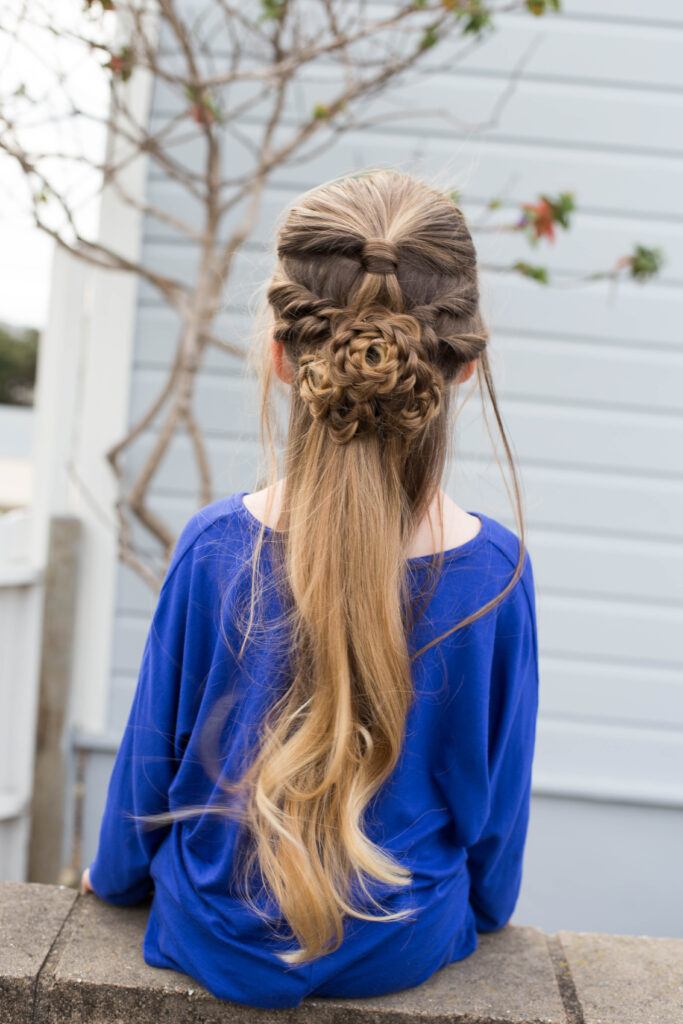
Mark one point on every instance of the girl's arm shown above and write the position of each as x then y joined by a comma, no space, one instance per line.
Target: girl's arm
495,860
149,752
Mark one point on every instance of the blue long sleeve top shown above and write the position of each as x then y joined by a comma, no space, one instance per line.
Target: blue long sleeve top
454,810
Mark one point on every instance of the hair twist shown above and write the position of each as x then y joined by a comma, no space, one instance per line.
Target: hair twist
371,374
301,314
378,256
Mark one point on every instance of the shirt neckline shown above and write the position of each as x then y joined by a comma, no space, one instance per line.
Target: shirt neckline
469,545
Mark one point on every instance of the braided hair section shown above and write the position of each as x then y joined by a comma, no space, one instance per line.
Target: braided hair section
371,375
376,299
364,370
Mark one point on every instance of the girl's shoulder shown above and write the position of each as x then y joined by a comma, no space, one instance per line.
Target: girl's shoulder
225,530
505,548
214,529
503,539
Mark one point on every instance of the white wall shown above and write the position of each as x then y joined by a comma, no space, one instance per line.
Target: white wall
590,381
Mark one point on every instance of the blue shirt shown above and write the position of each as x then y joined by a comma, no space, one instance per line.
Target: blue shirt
454,810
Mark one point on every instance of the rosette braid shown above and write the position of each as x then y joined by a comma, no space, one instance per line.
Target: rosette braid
372,373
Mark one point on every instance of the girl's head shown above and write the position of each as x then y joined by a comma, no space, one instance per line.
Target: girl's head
375,316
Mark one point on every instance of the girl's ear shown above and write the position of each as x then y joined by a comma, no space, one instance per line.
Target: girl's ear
466,372
280,362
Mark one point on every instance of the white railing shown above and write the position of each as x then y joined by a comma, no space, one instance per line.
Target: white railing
21,611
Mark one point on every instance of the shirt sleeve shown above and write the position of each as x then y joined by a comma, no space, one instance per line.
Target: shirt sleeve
495,859
149,753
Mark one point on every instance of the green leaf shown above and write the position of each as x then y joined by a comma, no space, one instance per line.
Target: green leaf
539,274
645,262
540,7
455,195
476,16
562,207
430,38
273,9
18,362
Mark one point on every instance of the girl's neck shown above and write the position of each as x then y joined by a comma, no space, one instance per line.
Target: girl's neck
458,525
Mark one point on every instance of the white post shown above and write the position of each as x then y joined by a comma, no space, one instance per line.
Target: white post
56,397
101,419
21,591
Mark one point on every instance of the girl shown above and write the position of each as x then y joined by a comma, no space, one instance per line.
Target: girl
325,776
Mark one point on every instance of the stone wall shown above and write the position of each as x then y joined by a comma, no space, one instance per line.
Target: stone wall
69,958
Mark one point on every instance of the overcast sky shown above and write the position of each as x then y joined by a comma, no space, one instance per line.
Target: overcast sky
26,251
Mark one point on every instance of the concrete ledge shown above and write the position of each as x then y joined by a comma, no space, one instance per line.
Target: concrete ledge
31,918
66,958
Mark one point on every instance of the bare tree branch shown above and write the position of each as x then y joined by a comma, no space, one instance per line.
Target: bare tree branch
229,75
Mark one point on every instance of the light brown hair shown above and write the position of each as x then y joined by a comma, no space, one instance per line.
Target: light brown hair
375,298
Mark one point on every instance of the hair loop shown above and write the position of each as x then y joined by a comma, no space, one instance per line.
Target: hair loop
379,256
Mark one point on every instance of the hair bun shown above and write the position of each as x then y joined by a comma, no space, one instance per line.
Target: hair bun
372,373
378,256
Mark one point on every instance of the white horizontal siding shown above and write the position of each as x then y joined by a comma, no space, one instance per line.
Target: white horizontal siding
646,55
544,436
647,316
657,12
667,12
601,629
564,502
603,235
607,53
630,184
546,430
564,113
589,377
644,317
579,758
548,367
613,13
157,329
575,690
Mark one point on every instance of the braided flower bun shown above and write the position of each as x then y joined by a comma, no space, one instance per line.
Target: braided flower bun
370,373
375,299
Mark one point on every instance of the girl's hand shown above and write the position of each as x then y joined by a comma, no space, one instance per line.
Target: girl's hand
85,882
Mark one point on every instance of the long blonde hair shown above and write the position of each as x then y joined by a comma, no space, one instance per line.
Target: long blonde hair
375,298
